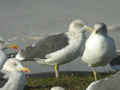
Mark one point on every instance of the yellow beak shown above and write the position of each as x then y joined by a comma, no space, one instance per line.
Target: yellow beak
13,46
90,28
25,69
82,25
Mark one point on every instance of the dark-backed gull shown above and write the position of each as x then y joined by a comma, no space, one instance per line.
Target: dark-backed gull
57,49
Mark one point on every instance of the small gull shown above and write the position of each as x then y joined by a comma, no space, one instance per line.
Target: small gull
12,75
5,45
57,49
99,48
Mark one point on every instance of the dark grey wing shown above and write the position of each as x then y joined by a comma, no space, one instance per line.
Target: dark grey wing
46,45
3,80
116,60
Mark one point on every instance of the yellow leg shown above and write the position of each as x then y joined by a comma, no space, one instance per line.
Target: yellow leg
94,73
56,70
95,76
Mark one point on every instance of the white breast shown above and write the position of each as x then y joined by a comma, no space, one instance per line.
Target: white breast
99,49
69,53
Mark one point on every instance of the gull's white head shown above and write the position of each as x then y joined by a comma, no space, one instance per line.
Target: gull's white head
100,27
76,26
4,44
12,65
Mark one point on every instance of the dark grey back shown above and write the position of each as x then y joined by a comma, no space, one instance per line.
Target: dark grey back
46,45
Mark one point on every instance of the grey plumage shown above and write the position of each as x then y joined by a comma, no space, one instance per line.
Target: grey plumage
16,81
3,80
12,76
109,83
115,63
3,58
45,46
57,49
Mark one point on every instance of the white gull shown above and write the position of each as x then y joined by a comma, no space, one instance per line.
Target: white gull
100,49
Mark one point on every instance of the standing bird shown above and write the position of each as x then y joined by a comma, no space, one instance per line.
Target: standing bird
12,76
57,49
99,48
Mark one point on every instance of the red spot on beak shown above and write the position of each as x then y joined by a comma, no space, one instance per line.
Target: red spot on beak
15,47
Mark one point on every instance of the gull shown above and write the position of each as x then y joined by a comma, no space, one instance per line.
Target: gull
57,49
5,45
12,75
100,48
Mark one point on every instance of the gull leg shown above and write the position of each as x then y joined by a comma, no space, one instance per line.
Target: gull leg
56,70
94,74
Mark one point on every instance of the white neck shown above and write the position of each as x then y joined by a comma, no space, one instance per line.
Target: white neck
3,58
16,81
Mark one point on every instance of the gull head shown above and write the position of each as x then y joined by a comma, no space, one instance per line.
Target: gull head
100,27
12,65
77,26
5,45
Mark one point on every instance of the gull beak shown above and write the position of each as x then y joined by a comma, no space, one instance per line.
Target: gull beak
25,69
89,28
96,30
13,46
81,25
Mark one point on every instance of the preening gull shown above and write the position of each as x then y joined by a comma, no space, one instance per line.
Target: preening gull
99,48
4,45
12,76
57,49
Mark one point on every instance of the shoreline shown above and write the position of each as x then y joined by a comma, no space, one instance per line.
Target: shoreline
69,73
